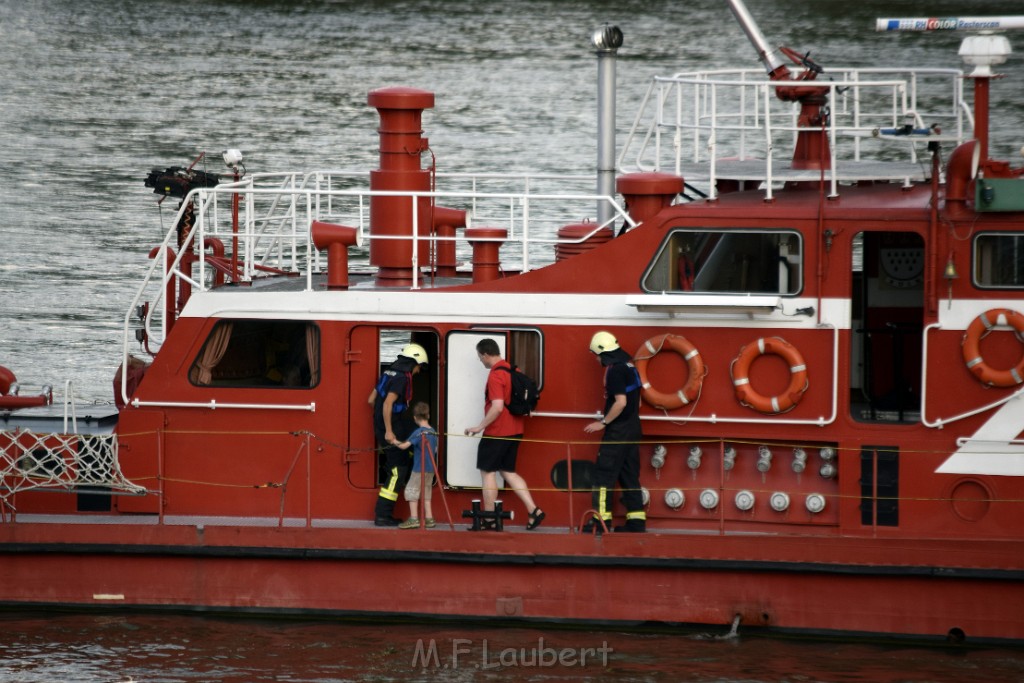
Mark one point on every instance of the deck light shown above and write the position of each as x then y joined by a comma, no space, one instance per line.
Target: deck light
658,457
799,460
984,51
815,503
744,500
693,462
729,458
828,467
232,157
779,501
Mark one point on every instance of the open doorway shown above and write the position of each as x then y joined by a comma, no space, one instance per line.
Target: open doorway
888,321
424,383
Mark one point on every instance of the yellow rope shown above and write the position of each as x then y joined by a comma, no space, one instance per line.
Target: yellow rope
560,442
590,442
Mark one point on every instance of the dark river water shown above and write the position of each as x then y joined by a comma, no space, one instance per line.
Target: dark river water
172,649
95,93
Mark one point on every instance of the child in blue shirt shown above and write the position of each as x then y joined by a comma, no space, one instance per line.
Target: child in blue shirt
423,442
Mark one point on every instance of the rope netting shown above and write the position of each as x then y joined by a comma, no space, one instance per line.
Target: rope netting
70,462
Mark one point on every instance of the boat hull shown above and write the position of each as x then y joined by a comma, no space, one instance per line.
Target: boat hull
941,590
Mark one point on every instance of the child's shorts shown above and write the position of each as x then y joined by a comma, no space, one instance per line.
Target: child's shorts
412,489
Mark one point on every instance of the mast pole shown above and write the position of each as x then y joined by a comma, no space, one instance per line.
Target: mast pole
607,40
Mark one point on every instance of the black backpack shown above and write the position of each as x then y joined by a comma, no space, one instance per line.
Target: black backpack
525,393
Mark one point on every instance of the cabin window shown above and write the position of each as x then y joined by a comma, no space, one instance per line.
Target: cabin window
259,353
524,352
724,261
999,260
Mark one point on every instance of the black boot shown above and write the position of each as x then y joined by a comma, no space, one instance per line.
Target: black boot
383,513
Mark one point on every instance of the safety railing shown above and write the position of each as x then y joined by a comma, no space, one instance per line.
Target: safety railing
269,234
696,124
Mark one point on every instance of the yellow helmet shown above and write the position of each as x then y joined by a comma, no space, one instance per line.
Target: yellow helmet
603,341
416,352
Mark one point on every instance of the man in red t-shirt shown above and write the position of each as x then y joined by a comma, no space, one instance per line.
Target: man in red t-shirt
502,432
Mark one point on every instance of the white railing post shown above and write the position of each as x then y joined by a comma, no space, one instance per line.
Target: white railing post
768,144
832,151
69,402
200,240
414,198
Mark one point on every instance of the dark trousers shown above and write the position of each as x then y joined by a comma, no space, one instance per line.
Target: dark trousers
618,462
396,464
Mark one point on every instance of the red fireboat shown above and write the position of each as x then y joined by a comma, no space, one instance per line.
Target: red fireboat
830,344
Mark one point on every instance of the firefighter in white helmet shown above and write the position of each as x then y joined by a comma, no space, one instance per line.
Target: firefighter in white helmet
618,459
392,423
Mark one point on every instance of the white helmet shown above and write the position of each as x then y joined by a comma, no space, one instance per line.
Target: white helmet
603,341
416,352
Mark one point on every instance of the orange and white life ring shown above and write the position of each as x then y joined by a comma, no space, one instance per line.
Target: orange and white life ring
798,382
976,331
694,365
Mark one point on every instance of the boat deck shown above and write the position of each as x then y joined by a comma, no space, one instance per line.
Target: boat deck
201,522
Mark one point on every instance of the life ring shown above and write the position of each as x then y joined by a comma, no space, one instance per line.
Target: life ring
694,365
798,383
7,378
978,328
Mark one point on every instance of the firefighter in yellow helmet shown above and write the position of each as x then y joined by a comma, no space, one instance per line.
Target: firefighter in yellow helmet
392,423
618,459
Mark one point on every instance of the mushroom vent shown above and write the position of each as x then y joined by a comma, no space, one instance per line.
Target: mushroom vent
570,236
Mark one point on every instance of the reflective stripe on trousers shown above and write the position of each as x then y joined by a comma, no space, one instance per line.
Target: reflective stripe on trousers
603,509
390,492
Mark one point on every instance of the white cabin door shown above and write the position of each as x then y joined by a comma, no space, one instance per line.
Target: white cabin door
465,380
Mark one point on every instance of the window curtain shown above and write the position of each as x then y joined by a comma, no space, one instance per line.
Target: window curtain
525,353
213,352
313,353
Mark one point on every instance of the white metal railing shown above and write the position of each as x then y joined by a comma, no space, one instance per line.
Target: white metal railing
276,211
691,122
